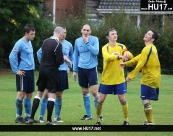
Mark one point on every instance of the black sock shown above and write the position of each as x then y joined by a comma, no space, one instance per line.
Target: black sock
50,106
35,105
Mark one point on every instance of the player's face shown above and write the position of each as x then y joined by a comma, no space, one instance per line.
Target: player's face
148,37
30,36
86,31
64,34
112,36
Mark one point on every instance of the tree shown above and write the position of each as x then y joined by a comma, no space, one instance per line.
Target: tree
14,15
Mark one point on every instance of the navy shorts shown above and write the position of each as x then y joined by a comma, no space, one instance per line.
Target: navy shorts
87,77
63,81
48,78
148,93
26,83
113,89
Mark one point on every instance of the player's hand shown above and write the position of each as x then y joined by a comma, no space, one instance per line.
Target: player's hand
74,76
68,70
124,58
85,38
20,73
122,65
128,79
69,63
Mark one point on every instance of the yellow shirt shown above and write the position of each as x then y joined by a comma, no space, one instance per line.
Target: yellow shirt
150,69
112,74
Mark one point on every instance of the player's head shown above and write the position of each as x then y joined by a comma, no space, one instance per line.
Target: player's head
155,35
64,32
29,32
86,30
151,36
58,32
111,34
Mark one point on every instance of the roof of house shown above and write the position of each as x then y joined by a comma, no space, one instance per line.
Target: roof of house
119,4
129,6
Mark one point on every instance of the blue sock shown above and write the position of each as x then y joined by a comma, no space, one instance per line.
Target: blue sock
58,105
18,107
87,104
43,106
27,105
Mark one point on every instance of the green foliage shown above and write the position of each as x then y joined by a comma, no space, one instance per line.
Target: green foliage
14,15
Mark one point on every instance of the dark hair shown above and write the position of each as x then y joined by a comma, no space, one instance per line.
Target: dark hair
28,28
155,35
111,29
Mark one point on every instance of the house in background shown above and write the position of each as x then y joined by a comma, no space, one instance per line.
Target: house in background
96,9
131,8
62,8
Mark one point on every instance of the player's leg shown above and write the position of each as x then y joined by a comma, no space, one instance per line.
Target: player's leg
19,107
147,94
19,100
29,86
43,106
120,91
52,75
27,105
99,108
63,85
92,76
87,105
58,106
83,82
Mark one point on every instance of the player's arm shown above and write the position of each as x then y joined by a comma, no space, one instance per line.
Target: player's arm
39,55
94,48
141,62
13,58
109,57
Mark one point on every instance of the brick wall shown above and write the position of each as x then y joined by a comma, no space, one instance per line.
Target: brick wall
63,7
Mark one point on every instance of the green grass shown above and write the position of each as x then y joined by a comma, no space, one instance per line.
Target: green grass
73,109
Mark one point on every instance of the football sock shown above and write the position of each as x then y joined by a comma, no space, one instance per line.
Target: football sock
43,106
35,105
50,106
96,100
58,105
18,107
27,105
125,111
145,118
98,110
87,104
149,113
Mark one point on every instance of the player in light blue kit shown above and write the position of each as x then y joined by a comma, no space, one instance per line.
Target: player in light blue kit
85,63
64,69
22,64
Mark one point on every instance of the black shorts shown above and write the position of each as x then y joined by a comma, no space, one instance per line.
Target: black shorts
48,78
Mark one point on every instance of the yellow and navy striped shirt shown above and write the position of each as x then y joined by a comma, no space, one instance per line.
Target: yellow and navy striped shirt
150,67
112,74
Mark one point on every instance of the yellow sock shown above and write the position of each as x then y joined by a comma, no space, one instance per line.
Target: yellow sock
149,113
145,118
125,111
98,110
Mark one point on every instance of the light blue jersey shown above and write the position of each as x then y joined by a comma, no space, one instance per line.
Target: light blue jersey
67,50
85,54
21,56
